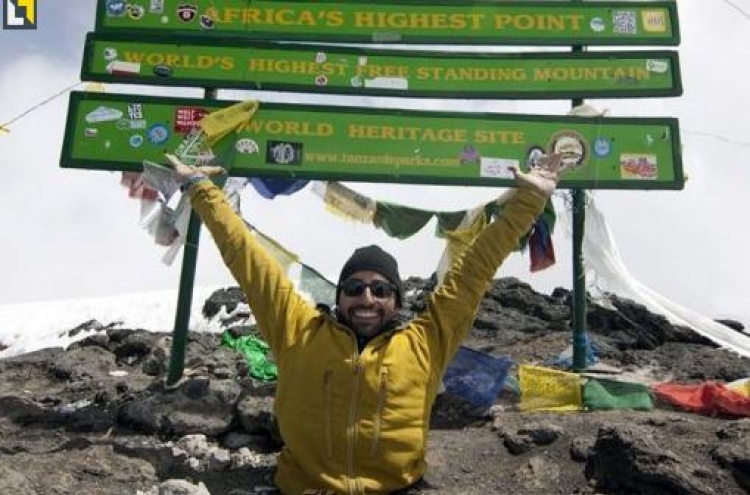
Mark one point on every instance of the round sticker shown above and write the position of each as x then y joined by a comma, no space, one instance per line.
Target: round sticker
110,54
206,22
136,140
572,147
597,24
469,155
136,12
602,147
162,70
534,156
246,146
158,133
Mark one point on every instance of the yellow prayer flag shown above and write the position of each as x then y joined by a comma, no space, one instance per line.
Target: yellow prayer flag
342,201
285,258
218,124
741,387
457,240
4,130
545,389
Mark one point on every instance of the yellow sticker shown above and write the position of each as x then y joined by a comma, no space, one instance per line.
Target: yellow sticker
654,21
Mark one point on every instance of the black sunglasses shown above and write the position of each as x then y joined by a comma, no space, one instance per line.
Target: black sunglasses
355,287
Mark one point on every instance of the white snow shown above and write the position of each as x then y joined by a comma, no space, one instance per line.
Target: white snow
27,327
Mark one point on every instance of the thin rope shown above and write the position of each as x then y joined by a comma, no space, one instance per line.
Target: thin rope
39,105
718,137
737,8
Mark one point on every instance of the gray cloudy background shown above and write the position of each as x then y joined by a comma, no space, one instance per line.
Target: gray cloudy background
71,233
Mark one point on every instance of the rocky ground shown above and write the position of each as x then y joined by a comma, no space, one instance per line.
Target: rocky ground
96,418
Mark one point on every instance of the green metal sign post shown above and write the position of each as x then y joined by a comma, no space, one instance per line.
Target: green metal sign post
489,22
233,63
185,295
578,321
379,145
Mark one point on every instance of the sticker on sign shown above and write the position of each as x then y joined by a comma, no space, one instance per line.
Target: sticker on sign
497,168
387,83
658,66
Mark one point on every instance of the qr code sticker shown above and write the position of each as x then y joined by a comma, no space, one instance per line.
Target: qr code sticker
624,22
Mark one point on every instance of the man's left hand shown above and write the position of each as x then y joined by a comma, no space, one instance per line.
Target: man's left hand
184,171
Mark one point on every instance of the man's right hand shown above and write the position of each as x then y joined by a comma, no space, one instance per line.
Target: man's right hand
543,178
184,171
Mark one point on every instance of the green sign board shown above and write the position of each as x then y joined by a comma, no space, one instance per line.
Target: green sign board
402,21
117,132
232,63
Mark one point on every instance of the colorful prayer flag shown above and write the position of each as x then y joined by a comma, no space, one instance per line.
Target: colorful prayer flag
545,389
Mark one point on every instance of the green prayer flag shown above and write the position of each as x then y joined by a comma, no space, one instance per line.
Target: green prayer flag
492,209
448,221
255,351
602,394
549,216
400,221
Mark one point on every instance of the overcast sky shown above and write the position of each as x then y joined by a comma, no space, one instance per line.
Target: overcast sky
70,233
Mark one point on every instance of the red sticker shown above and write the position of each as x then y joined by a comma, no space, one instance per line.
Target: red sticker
188,118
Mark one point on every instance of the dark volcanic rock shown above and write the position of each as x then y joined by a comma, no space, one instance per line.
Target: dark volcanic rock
635,327
735,457
256,414
734,430
733,324
24,411
82,364
691,362
87,326
97,340
223,298
134,348
416,291
97,419
627,457
511,293
198,405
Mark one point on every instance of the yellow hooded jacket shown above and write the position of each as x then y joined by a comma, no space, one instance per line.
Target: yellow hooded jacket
357,423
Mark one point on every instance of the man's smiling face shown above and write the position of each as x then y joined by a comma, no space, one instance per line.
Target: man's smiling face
367,302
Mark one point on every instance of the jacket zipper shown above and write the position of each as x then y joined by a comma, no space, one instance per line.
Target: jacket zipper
379,412
328,392
351,430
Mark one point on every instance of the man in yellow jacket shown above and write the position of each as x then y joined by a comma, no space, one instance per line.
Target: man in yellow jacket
356,387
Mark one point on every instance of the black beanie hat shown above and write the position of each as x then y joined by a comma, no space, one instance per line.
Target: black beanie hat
371,258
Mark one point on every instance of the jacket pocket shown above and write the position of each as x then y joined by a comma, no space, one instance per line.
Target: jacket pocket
378,419
328,391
